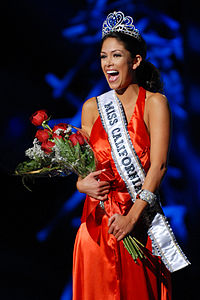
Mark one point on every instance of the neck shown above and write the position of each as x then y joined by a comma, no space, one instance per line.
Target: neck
127,94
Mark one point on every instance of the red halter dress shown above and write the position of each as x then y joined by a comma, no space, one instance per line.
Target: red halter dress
102,267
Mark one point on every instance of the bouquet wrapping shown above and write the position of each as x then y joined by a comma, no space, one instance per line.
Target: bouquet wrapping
63,149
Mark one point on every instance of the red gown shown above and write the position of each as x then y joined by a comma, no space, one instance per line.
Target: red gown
102,268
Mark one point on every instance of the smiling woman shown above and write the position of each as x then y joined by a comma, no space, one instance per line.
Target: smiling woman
117,64
146,75
129,129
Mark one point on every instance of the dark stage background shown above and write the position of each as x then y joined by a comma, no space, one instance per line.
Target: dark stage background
50,60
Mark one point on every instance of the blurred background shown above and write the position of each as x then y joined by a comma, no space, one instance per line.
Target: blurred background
50,60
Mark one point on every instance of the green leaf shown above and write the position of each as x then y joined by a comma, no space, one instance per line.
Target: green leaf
66,151
77,151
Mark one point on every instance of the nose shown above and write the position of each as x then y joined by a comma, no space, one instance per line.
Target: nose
109,61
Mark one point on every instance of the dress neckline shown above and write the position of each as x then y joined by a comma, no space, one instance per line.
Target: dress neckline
136,104
134,111
94,126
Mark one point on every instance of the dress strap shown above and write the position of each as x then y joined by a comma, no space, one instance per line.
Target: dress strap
141,102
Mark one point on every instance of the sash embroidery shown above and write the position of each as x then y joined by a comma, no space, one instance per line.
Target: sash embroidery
131,171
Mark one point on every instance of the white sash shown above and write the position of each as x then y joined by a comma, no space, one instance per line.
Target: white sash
131,171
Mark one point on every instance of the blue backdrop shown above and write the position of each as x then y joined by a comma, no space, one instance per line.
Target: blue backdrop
52,62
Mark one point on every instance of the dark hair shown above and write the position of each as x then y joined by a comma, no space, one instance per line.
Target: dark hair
148,76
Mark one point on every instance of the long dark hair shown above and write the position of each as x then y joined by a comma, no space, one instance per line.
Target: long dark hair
147,75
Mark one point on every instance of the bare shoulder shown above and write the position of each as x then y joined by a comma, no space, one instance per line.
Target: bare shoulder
90,104
156,109
156,100
89,114
89,109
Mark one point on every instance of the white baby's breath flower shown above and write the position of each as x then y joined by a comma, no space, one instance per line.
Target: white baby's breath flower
69,128
36,141
36,151
57,156
59,131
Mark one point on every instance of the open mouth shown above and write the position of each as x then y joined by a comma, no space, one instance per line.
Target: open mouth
112,75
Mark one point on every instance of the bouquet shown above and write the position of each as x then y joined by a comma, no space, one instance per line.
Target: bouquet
57,151
60,150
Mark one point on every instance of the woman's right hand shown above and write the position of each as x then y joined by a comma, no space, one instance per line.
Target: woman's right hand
93,187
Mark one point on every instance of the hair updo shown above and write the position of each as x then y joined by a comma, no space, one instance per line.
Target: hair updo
147,75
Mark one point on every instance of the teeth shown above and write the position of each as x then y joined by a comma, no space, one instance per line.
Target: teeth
112,72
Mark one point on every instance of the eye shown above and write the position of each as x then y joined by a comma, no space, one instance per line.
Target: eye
117,55
102,56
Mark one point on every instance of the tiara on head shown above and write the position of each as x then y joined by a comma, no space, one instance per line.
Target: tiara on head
117,22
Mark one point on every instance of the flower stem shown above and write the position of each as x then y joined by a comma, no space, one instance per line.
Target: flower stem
45,125
132,246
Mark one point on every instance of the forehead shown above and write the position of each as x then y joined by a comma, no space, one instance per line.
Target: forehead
112,44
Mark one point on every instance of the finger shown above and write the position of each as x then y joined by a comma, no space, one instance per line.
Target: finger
116,230
104,188
121,237
117,234
102,198
110,230
104,192
104,184
111,219
96,173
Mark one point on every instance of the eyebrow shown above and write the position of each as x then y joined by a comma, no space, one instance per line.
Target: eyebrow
112,51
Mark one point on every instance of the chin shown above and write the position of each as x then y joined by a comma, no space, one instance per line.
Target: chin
117,86
114,86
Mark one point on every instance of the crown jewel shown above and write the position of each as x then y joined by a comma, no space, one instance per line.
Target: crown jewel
117,22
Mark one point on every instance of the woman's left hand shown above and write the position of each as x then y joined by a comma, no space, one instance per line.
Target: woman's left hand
120,226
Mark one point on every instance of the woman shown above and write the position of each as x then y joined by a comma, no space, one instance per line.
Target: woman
129,129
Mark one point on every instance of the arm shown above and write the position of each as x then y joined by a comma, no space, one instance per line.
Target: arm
90,184
89,115
159,129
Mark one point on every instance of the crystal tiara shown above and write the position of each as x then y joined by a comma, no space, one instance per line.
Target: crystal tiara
117,22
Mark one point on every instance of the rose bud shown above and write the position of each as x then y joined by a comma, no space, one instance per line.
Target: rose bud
38,117
73,139
80,138
47,146
43,135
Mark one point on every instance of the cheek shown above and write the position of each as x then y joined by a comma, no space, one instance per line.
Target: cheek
127,72
102,66
125,67
130,69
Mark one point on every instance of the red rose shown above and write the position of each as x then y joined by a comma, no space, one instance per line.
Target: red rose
80,138
47,146
77,138
61,126
55,136
38,117
73,139
43,134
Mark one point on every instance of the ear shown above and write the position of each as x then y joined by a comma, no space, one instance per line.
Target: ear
136,61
